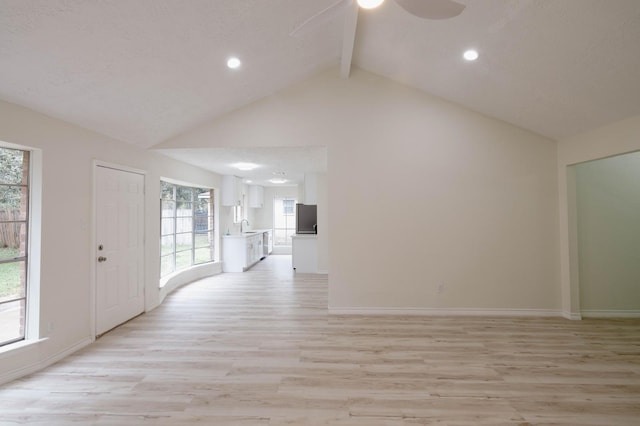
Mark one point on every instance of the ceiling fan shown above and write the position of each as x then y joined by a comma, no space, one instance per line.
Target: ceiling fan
425,9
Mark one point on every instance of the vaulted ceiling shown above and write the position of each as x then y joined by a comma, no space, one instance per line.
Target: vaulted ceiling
145,71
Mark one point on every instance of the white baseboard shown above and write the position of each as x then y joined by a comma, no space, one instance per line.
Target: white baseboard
572,316
447,312
611,314
32,368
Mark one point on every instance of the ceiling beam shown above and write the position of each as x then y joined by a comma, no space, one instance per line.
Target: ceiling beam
349,39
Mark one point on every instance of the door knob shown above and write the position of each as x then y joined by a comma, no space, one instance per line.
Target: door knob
102,259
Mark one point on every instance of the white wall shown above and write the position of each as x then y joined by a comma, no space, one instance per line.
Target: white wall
608,207
617,138
323,224
67,253
423,195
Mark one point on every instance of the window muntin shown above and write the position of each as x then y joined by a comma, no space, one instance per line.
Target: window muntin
186,234
14,227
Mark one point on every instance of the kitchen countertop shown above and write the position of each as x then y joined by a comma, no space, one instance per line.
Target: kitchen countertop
248,234
304,236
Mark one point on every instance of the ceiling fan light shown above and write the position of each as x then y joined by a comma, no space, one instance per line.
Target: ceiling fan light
369,4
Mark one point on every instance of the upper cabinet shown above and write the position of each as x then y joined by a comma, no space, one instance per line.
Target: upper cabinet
256,196
231,190
310,188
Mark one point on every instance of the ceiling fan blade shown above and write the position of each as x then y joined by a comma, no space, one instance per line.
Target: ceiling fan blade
432,9
320,18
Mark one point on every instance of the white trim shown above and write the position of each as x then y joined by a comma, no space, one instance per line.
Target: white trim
33,330
32,368
602,313
185,183
12,348
447,312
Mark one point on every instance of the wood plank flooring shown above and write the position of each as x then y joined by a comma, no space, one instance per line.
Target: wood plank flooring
258,348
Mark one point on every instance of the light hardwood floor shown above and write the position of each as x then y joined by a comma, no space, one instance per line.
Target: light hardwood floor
259,348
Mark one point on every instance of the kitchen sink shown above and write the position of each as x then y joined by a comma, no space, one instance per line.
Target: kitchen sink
250,232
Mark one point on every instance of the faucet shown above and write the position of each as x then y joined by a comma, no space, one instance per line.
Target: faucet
241,222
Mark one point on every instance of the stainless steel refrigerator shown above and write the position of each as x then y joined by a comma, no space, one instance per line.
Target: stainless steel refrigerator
306,219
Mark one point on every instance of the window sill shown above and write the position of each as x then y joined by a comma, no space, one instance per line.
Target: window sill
9,350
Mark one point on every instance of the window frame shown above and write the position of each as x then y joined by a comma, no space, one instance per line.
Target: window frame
193,232
26,193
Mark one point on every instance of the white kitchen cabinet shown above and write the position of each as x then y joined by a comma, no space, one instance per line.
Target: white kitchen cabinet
241,251
256,196
305,253
231,190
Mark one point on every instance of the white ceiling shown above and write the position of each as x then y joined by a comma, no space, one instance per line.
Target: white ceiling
145,71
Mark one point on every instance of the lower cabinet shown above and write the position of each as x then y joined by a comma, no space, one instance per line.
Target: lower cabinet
305,253
241,252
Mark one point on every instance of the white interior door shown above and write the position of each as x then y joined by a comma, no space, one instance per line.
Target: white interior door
120,251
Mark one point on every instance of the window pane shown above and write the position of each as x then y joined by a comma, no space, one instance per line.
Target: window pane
12,320
184,241
184,193
184,209
13,237
204,255
183,259
237,214
204,239
202,206
168,208
167,226
12,280
204,223
184,224
14,166
13,202
288,207
166,266
166,245
167,191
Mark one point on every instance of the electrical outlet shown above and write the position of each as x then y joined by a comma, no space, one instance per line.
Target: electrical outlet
440,288
49,327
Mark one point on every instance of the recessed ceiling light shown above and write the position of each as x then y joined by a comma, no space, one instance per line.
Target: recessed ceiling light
369,4
245,166
470,55
277,180
233,63
248,181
